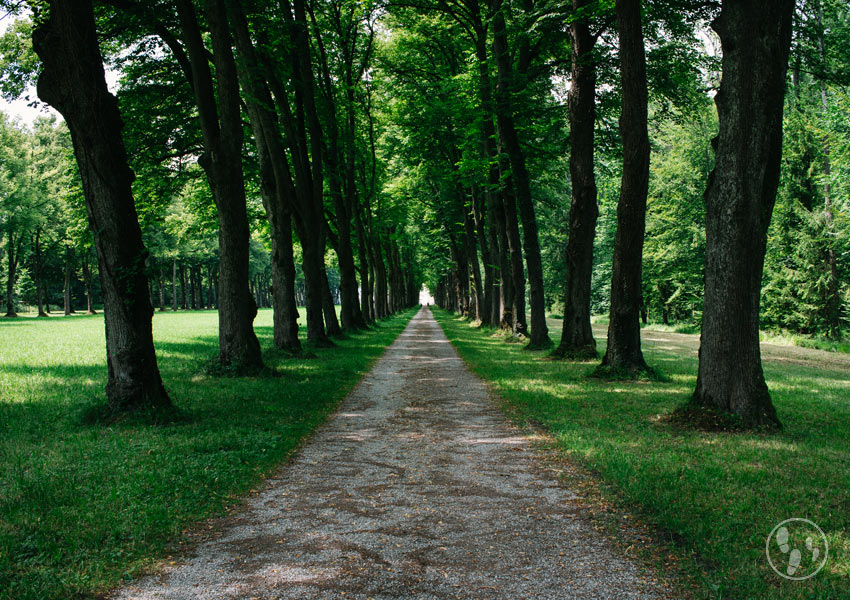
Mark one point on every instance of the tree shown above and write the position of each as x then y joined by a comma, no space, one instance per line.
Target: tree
576,334
623,352
73,82
741,193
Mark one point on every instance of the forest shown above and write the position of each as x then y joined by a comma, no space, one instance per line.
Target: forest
518,159
290,180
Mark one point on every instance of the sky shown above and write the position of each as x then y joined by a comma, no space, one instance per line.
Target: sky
20,108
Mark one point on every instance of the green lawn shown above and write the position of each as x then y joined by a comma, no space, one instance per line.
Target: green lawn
83,506
716,496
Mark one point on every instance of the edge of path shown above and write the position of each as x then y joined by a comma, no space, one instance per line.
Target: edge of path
207,528
626,530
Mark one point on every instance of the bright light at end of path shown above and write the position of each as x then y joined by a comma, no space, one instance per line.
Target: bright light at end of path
425,296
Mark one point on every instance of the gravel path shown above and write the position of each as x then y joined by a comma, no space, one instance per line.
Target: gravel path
416,488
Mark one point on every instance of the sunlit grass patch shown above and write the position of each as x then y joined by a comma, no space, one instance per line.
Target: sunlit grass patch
84,505
714,496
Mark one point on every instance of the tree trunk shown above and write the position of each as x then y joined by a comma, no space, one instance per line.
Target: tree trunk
69,272
539,334
183,303
577,335
12,260
623,352
73,82
221,124
472,256
88,283
755,38
517,306
193,298
39,284
328,307
174,284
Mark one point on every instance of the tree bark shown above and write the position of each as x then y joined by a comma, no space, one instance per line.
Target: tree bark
755,38
221,124
328,307
88,283
623,352
12,253
539,334
174,285
517,306
39,283
73,82
577,335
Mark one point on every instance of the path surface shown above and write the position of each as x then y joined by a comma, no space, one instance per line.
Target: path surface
416,488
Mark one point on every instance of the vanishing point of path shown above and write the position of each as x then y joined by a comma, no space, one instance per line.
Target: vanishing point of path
416,488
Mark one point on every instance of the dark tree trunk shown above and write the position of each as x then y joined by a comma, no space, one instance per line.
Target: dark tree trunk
160,281
12,251
478,212
69,273
193,297
623,352
577,335
517,306
174,284
221,124
365,280
275,184
328,307
183,303
539,334
73,82
755,38
88,283
380,283
39,284
472,256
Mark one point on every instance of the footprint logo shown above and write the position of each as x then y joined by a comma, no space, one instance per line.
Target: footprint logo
785,557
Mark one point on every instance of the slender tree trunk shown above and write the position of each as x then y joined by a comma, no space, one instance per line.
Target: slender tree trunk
88,283
72,81
472,256
275,183
517,306
193,298
69,272
577,335
183,303
755,38
539,334
221,125
160,280
328,307
623,352
12,261
39,284
174,284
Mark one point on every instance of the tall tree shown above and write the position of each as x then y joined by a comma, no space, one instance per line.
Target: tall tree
220,117
755,39
73,82
577,335
539,334
623,352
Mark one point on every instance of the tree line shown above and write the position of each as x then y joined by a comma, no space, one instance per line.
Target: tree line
519,157
267,106
673,145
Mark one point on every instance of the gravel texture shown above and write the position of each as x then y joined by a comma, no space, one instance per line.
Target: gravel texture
416,488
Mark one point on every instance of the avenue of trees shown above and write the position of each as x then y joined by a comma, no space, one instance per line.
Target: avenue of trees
664,160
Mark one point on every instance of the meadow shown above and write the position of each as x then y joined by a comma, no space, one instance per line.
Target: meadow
86,504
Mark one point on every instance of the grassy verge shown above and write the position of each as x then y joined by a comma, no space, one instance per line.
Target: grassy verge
84,506
715,496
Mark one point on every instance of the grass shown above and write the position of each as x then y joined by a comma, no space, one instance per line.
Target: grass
84,506
714,497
